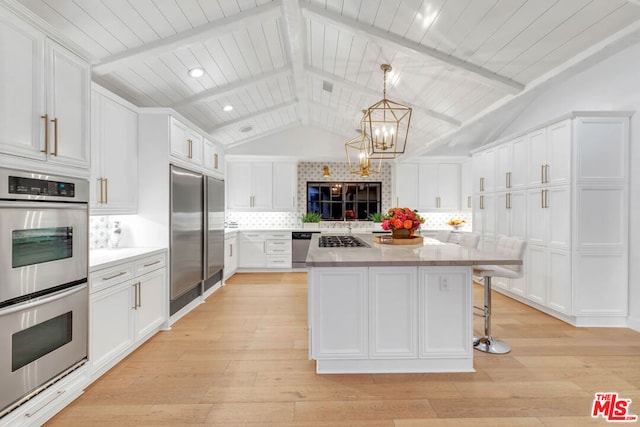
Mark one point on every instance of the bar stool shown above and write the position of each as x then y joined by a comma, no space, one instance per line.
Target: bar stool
443,235
469,240
511,247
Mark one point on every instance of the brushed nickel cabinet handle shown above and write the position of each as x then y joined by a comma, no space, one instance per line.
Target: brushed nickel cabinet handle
46,133
215,161
546,173
468,201
481,202
122,273
481,184
101,191
152,263
106,191
542,174
542,198
55,136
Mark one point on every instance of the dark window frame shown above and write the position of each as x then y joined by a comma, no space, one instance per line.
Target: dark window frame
332,199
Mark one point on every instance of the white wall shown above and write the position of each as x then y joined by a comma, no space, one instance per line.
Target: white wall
305,143
611,85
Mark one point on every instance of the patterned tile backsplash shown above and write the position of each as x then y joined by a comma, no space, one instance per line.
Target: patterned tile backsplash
99,232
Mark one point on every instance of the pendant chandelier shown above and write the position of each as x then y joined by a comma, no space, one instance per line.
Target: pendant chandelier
386,124
358,159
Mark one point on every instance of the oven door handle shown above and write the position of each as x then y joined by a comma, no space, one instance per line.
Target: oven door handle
36,205
44,299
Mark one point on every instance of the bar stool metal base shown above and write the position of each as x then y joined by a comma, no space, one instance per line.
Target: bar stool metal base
487,343
491,345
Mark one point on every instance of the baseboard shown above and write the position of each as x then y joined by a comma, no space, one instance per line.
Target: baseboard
634,323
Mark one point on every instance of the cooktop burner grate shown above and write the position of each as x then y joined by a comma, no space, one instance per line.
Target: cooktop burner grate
341,242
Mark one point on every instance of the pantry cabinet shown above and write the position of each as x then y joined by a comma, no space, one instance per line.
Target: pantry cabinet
572,210
114,154
44,108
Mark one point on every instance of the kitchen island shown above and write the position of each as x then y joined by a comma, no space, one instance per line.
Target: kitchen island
393,308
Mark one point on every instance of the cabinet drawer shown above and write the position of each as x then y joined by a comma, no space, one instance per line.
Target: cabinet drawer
278,235
148,264
252,237
278,261
277,247
102,279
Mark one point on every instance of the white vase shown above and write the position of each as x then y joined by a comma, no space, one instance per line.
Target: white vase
310,225
115,235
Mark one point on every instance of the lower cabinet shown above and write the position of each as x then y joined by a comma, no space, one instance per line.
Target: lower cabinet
391,319
264,249
127,304
230,254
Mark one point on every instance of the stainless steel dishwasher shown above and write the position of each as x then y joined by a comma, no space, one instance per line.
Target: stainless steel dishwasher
300,241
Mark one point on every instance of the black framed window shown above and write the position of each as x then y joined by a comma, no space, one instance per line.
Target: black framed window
344,200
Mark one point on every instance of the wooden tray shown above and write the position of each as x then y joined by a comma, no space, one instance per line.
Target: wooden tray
414,240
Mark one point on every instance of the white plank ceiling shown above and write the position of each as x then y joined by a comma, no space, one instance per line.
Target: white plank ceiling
288,63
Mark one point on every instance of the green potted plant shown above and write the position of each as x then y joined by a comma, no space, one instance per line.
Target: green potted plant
376,217
311,220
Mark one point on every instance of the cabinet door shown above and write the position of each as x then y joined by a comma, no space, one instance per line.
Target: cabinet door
537,155
186,144
262,185
489,213
536,271
238,191
503,166
559,280
197,147
115,157
406,185
252,251
285,182
151,301
338,305
393,314
518,214
518,171
536,217
68,100
466,183
427,186
111,329
558,207
484,170
449,186
212,157
559,153
230,256
22,88
503,214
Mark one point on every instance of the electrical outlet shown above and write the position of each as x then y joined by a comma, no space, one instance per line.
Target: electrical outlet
444,284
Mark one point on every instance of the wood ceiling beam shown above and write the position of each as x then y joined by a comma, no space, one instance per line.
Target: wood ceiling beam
368,91
197,35
249,117
295,44
230,89
396,42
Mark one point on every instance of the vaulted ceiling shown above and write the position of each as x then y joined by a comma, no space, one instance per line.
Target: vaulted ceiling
289,63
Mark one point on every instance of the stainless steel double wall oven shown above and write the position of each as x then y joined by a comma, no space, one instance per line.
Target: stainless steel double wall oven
43,281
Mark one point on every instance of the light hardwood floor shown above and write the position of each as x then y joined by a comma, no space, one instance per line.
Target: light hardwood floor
241,359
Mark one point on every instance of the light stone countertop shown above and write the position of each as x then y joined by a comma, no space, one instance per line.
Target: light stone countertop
431,253
103,258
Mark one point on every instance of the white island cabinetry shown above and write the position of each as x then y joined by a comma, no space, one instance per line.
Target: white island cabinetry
128,304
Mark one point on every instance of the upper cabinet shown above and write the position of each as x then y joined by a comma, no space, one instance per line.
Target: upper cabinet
428,186
44,108
406,185
549,153
114,155
213,158
261,185
186,144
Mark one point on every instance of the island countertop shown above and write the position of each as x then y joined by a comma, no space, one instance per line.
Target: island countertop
430,253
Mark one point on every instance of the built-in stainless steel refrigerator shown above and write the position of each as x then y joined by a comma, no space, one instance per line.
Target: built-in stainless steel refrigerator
214,204
187,237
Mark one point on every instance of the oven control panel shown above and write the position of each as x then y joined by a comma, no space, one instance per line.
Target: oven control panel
40,187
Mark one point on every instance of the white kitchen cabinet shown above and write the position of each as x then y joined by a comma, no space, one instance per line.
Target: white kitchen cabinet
484,217
128,304
339,312
439,186
466,185
186,144
576,227
393,307
44,110
406,185
114,154
230,254
285,186
251,249
249,185
549,155
264,249
213,158
484,170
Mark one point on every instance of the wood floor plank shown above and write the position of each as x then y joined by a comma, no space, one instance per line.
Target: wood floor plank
241,359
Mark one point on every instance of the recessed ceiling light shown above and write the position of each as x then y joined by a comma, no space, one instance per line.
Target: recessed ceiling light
196,72
228,107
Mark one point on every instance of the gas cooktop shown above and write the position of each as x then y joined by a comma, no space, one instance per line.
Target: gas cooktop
341,242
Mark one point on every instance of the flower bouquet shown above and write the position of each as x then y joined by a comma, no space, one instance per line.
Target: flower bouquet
402,222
